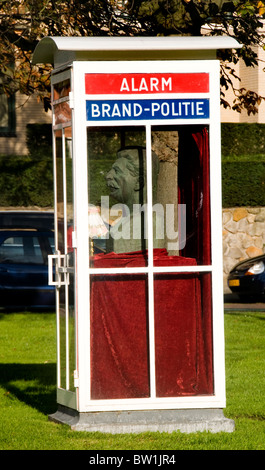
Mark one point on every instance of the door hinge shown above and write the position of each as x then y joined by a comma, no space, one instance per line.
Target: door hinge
74,240
76,379
71,100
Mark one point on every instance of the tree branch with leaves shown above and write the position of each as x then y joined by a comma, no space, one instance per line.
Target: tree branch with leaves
24,22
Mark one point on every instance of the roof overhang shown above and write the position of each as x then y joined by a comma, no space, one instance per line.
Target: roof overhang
64,50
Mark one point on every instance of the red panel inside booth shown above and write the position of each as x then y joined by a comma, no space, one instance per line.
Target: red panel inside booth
120,336
182,303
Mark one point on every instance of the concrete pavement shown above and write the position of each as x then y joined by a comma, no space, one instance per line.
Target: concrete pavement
232,302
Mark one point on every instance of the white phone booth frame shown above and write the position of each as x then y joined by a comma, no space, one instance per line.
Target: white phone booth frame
74,59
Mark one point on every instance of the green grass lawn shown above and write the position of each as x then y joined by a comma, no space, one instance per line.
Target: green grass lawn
28,391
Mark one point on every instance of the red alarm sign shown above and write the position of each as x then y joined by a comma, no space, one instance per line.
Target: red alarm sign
146,83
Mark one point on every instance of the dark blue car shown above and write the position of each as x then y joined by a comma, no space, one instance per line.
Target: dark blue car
26,240
247,278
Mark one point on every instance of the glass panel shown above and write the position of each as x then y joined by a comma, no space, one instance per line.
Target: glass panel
69,191
181,204
7,114
20,250
72,331
70,256
183,335
61,89
65,221
61,247
62,113
11,250
3,110
119,337
117,191
62,338
51,243
37,251
59,189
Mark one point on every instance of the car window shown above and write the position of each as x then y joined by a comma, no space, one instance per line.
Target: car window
21,250
51,242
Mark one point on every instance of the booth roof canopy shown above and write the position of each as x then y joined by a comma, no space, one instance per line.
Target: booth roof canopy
60,50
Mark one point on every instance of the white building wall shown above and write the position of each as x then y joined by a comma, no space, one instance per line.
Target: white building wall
251,78
28,111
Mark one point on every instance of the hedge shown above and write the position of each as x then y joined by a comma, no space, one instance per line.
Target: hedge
243,139
243,164
243,184
28,180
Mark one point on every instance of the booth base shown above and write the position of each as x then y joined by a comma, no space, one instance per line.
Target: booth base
121,422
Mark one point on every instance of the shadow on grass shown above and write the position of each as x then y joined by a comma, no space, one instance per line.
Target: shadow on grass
33,384
257,315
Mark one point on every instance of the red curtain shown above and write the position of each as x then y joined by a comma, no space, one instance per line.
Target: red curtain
204,231
182,304
119,331
194,191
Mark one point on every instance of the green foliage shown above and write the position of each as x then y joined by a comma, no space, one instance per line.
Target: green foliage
28,180
243,183
243,164
244,358
24,23
28,392
243,139
39,140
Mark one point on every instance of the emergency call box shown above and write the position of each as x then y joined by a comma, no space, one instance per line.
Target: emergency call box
137,266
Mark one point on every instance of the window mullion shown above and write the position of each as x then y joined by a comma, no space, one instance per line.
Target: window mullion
151,319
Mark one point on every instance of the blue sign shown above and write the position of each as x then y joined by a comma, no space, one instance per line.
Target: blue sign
124,110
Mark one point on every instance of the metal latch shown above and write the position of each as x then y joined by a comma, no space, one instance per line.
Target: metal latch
58,271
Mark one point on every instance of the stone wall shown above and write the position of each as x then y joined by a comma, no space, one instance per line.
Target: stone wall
243,236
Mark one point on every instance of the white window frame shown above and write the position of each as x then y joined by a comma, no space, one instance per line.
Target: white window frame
83,273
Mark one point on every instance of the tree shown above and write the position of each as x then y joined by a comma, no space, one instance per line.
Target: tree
241,19
25,22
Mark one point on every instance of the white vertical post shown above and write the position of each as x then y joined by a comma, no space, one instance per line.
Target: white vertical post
82,252
216,234
151,320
